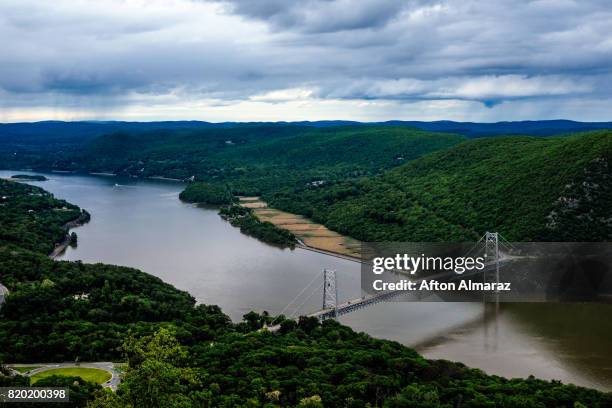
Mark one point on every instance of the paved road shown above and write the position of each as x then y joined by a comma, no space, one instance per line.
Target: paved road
3,292
106,366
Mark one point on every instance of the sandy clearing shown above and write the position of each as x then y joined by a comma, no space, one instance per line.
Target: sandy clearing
310,233
253,204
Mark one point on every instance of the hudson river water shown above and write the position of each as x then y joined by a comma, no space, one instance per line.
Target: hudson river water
144,225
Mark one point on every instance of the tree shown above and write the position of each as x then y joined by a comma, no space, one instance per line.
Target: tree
253,320
158,384
308,324
107,399
156,376
73,239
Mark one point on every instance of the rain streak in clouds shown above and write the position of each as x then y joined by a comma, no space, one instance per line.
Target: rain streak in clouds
244,60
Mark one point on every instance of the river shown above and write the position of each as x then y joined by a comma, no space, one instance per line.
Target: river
143,224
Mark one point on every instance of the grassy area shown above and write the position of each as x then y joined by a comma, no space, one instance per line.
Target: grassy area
312,234
25,369
88,374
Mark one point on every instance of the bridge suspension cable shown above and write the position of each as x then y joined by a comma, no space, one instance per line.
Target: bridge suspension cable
491,243
301,292
482,242
306,300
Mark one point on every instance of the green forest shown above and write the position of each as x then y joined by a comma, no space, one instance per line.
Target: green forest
250,159
32,218
241,217
29,177
249,224
374,183
203,193
181,354
529,189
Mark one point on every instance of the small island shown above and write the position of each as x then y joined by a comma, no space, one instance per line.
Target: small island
29,177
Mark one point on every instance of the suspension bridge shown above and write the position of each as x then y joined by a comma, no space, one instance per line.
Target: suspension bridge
492,245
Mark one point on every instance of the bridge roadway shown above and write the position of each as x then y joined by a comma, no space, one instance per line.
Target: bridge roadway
355,304
365,301
3,293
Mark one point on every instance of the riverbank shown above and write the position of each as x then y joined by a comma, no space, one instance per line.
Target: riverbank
20,179
310,234
249,224
93,173
59,249
195,250
27,177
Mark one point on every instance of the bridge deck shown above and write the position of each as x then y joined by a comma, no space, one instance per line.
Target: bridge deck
365,301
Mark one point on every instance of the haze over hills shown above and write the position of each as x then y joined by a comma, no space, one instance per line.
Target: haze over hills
258,158
526,127
29,132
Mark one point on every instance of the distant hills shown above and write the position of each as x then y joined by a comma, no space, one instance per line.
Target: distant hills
528,127
391,181
253,159
81,131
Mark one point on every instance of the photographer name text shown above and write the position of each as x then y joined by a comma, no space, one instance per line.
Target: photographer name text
434,285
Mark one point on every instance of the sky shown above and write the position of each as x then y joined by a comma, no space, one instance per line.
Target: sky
272,60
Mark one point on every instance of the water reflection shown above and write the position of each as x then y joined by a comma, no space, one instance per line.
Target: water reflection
567,342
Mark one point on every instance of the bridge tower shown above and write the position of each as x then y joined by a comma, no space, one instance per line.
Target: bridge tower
492,252
330,290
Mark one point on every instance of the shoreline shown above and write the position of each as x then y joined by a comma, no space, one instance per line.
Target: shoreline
23,180
60,247
311,236
301,245
164,178
102,174
93,173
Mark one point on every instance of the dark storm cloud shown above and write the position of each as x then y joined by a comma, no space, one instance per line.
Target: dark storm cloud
531,57
320,16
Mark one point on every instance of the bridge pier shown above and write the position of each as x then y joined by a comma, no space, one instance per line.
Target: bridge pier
330,291
492,251
331,309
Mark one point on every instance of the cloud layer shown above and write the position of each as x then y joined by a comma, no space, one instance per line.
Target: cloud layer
309,59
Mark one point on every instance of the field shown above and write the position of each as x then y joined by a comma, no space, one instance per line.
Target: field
310,233
94,375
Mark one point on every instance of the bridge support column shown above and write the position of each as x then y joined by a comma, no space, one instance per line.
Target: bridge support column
330,291
492,252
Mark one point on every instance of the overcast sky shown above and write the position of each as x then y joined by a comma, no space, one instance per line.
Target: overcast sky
261,60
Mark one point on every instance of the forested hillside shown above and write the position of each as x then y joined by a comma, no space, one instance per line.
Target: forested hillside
59,311
525,188
523,127
218,151
184,355
257,159
32,218
43,144
383,182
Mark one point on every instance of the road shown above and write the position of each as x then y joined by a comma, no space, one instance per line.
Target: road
3,292
104,365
